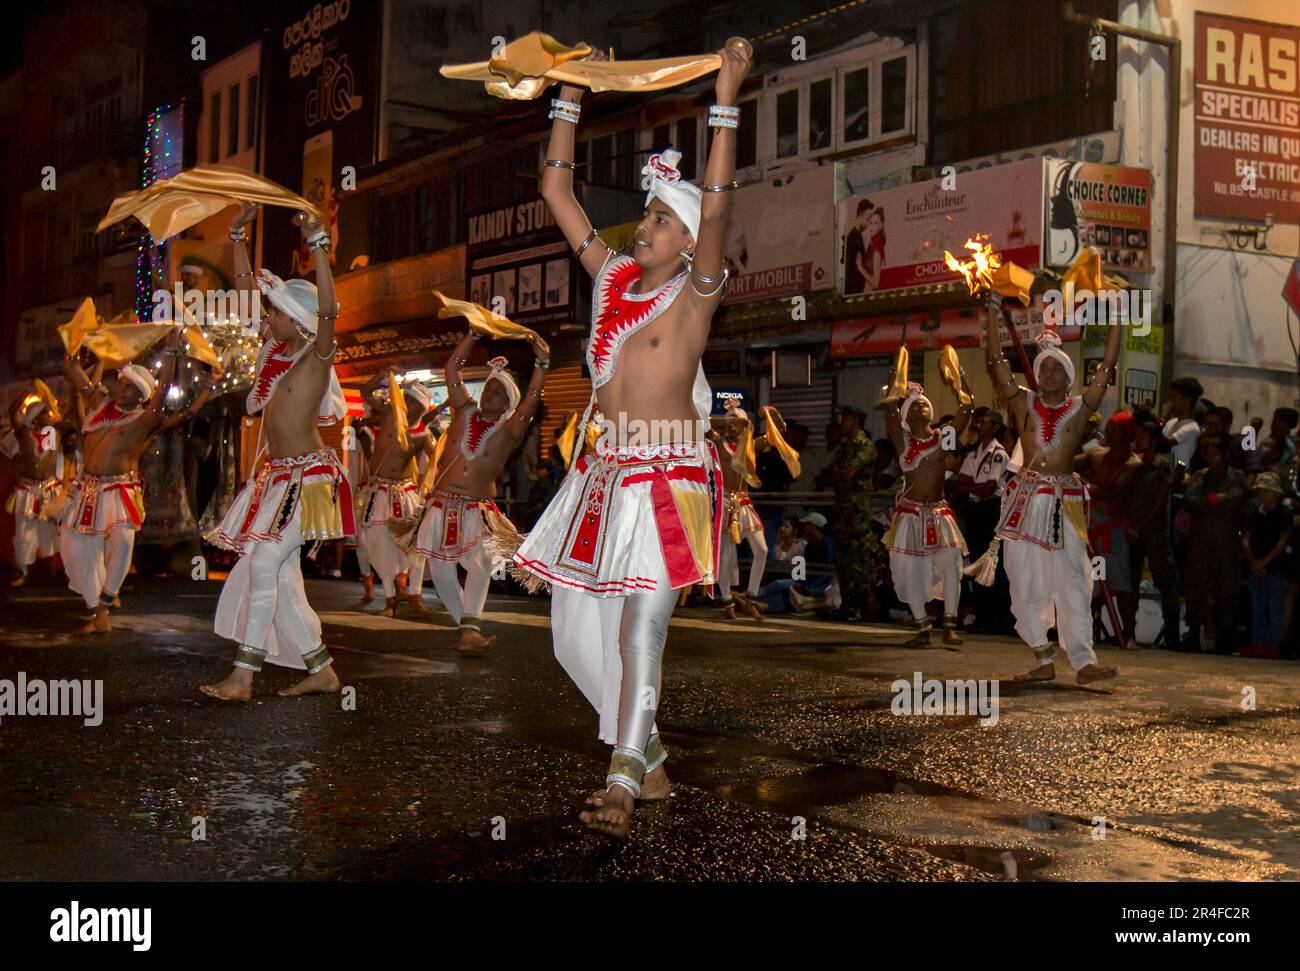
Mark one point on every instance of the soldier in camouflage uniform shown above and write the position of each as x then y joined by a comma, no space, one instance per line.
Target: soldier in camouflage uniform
851,475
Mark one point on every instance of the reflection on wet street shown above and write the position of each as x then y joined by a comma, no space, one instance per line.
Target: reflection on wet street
786,760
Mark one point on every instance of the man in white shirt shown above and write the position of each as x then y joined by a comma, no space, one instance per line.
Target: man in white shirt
1181,429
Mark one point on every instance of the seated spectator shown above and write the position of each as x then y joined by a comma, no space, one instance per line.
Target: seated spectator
789,544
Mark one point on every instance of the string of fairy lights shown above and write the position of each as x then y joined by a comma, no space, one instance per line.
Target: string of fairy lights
230,339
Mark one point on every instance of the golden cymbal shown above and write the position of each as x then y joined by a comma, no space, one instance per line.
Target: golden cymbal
741,43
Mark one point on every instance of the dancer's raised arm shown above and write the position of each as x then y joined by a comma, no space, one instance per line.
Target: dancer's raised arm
557,180
718,184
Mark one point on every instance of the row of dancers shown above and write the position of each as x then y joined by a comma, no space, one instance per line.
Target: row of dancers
633,522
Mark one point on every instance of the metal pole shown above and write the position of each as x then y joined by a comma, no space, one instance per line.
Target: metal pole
1172,86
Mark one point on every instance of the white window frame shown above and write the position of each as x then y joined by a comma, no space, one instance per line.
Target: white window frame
871,55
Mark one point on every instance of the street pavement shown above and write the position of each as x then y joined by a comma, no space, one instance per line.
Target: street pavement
787,760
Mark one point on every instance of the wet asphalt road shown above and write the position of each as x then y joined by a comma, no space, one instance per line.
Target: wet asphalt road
467,769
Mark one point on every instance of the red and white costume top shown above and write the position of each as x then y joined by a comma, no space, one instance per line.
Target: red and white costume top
1045,508
922,528
627,518
98,504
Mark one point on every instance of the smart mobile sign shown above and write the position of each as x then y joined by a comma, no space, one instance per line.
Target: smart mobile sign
1247,119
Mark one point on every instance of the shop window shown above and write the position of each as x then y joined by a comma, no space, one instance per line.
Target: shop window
893,95
821,109
856,106
214,128
787,124
250,123
232,120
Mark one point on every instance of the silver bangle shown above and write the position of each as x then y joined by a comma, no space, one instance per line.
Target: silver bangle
562,115
591,237
570,105
716,290
724,187
333,351
709,279
559,163
239,235
719,121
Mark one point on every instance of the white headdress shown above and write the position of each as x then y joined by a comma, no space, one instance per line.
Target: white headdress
141,377
733,408
1049,345
421,394
297,298
915,393
661,177
499,373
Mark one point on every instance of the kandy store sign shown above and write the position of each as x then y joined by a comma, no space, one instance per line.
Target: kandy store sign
517,253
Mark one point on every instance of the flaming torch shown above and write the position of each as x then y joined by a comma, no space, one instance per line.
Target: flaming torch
978,270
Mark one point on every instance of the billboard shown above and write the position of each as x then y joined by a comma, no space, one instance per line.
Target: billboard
1247,110
1106,206
322,77
518,254
896,238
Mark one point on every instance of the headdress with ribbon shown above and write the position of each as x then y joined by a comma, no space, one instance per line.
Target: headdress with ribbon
297,298
499,373
1049,345
660,177
915,393
141,377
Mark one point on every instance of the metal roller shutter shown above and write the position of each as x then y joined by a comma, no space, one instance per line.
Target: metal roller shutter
809,405
567,389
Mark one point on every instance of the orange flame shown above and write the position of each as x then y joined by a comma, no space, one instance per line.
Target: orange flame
978,270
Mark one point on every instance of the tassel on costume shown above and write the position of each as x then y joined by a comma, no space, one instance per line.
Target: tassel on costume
985,570
405,533
501,542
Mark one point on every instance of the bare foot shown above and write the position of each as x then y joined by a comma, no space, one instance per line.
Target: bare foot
19,580
655,786
416,603
367,589
950,636
1044,672
1094,672
238,686
98,624
390,607
609,812
1132,645
472,642
117,603
324,682
729,612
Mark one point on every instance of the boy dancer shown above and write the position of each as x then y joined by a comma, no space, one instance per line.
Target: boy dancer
459,511
634,522
739,473
390,497
106,502
301,494
35,536
1044,521
926,546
